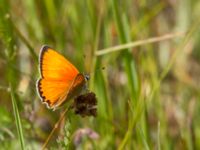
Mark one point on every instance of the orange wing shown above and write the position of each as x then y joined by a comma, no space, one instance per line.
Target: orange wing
55,66
77,86
58,76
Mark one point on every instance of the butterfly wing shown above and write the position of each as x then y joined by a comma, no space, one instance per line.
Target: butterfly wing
58,75
51,91
55,66
77,86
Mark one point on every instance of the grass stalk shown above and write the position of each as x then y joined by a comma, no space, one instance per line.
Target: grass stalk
130,68
158,137
126,46
143,139
56,127
17,118
26,42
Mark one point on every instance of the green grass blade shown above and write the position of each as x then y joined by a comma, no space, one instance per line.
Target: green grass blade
128,60
146,146
158,137
130,68
17,118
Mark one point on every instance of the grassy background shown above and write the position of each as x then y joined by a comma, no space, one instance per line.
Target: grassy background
148,96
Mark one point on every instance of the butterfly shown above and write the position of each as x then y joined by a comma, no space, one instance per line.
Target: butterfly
60,80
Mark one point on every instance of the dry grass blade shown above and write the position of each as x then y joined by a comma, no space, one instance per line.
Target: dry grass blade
55,127
139,43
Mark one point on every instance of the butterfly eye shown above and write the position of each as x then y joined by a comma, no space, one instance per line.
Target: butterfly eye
87,77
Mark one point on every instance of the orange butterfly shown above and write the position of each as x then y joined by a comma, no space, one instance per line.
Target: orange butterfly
60,80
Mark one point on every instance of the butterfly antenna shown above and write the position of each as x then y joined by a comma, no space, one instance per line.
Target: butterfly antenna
56,126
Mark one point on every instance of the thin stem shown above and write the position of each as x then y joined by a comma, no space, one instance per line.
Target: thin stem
31,49
17,118
96,43
138,43
56,126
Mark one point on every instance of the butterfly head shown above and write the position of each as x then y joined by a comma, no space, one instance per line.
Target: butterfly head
87,77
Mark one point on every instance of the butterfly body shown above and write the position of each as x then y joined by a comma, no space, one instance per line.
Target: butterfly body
60,80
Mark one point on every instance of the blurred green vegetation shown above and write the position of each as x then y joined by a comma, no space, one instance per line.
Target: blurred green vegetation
148,96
